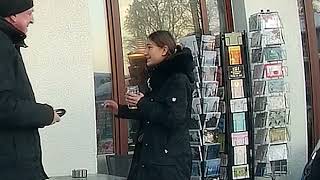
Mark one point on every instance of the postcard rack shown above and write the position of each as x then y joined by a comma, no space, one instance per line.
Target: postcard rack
238,105
270,94
207,127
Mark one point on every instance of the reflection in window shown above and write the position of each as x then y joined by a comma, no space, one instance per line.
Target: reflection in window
146,16
103,91
139,18
213,15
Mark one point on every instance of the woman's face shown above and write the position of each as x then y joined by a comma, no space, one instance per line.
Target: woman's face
155,54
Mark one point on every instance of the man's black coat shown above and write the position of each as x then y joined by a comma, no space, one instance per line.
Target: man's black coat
20,115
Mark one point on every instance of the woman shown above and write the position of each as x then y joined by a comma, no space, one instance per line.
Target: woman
163,148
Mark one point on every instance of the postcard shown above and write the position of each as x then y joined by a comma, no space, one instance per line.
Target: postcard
276,86
256,39
210,104
196,168
209,58
209,73
260,169
221,124
261,152
210,89
258,71
196,93
236,72
196,74
195,137
273,70
210,136
222,107
260,103
239,122
240,138
259,87
212,120
240,172
221,140
240,155
254,23
223,172
233,39
196,106
261,136
237,88
273,37
220,93
191,43
196,152
276,53
235,55
238,105
256,55
218,60
219,76
270,20
260,120
196,61
212,168
279,167
278,117
278,135
276,102
212,151
278,152
195,122
208,42
224,159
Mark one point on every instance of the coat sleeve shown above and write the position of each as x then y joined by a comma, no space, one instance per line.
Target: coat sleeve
14,111
171,110
125,112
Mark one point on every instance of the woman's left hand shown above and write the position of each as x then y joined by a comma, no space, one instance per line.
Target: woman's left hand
132,99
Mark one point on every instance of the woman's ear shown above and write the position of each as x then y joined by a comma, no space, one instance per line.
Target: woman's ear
165,51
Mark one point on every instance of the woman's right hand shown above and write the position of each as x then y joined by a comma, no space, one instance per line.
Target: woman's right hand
111,105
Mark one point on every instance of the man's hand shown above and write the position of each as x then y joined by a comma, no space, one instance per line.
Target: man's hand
56,118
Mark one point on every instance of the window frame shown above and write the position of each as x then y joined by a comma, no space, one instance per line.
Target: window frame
314,71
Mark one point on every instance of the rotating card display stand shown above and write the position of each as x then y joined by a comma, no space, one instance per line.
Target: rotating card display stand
270,94
207,123
238,105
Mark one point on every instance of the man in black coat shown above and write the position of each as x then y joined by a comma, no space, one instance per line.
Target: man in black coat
20,114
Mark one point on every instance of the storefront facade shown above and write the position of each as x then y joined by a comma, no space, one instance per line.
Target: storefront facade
85,61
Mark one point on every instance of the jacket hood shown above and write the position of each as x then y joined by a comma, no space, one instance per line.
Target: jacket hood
16,36
180,62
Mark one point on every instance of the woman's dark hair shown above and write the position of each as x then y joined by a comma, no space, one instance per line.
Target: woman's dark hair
163,38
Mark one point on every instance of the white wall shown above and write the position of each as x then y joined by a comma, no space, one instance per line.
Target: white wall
288,11
99,41
60,63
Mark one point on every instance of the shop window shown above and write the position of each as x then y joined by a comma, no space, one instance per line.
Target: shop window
139,18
